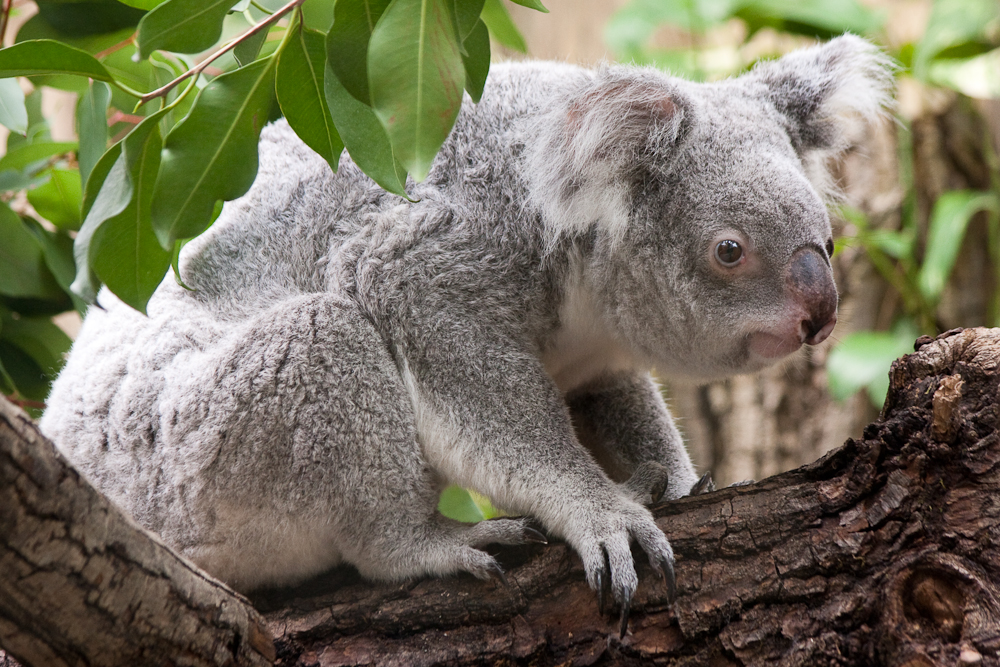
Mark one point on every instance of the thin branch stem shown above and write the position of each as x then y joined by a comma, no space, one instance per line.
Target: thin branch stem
260,6
200,67
115,47
5,20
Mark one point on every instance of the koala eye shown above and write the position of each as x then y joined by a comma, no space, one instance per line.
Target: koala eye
829,247
729,253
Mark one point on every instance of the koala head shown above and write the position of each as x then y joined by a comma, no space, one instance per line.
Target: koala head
705,203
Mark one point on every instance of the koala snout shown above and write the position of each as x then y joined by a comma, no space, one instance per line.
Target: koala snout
810,281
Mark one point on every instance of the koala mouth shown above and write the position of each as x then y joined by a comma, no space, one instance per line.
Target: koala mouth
772,346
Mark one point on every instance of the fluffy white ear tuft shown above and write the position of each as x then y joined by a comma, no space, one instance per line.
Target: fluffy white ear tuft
828,93
587,153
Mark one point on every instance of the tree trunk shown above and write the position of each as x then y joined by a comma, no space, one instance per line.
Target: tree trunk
884,552
82,584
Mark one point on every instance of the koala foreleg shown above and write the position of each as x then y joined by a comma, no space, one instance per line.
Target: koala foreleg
624,421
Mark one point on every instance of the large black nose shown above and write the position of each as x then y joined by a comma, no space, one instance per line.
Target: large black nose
810,282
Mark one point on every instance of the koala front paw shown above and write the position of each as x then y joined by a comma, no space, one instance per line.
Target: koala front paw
607,557
647,484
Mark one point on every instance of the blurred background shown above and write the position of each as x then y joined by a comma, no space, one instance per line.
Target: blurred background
918,230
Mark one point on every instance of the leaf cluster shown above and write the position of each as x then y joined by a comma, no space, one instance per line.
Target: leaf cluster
173,95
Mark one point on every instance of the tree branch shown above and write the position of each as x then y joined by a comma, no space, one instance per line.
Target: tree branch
81,583
884,552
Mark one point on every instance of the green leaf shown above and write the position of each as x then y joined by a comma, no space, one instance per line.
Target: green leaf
46,56
457,504
817,18
143,4
97,176
31,155
57,248
862,360
976,77
83,18
32,350
92,126
416,78
531,4
116,244
953,23
301,93
124,251
501,26
184,26
477,60
364,136
212,153
467,16
108,193
23,272
58,200
949,219
13,113
347,43
246,51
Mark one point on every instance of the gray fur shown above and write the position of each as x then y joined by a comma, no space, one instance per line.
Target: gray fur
345,353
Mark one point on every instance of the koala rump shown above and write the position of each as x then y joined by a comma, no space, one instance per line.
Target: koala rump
345,353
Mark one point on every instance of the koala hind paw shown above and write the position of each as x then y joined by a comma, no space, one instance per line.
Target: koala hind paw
704,485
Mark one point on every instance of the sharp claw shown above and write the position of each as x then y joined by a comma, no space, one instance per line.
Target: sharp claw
703,485
532,535
605,582
658,491
626,608
671,577
600,593
498,572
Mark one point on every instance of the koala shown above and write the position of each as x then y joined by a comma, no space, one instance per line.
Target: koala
343,353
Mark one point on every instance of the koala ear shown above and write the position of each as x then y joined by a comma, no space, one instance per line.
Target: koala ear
593,147
826,94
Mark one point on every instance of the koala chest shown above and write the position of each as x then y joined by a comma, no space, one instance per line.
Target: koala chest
584,347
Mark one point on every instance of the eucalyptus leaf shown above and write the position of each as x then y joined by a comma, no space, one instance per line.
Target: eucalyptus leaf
143,4
949,220
58,200
212,153
456,503
46,56
416,79
301,93
116,244
124,251
57,249
347,43
97,176
467,15
32,350
246,51
92,126
502,27
477,60
862,360
975,77
531,4
184,26
23,272
364,136
13,112
30,155
953,23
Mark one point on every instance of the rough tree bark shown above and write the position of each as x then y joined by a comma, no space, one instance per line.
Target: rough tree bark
82,584
884,552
